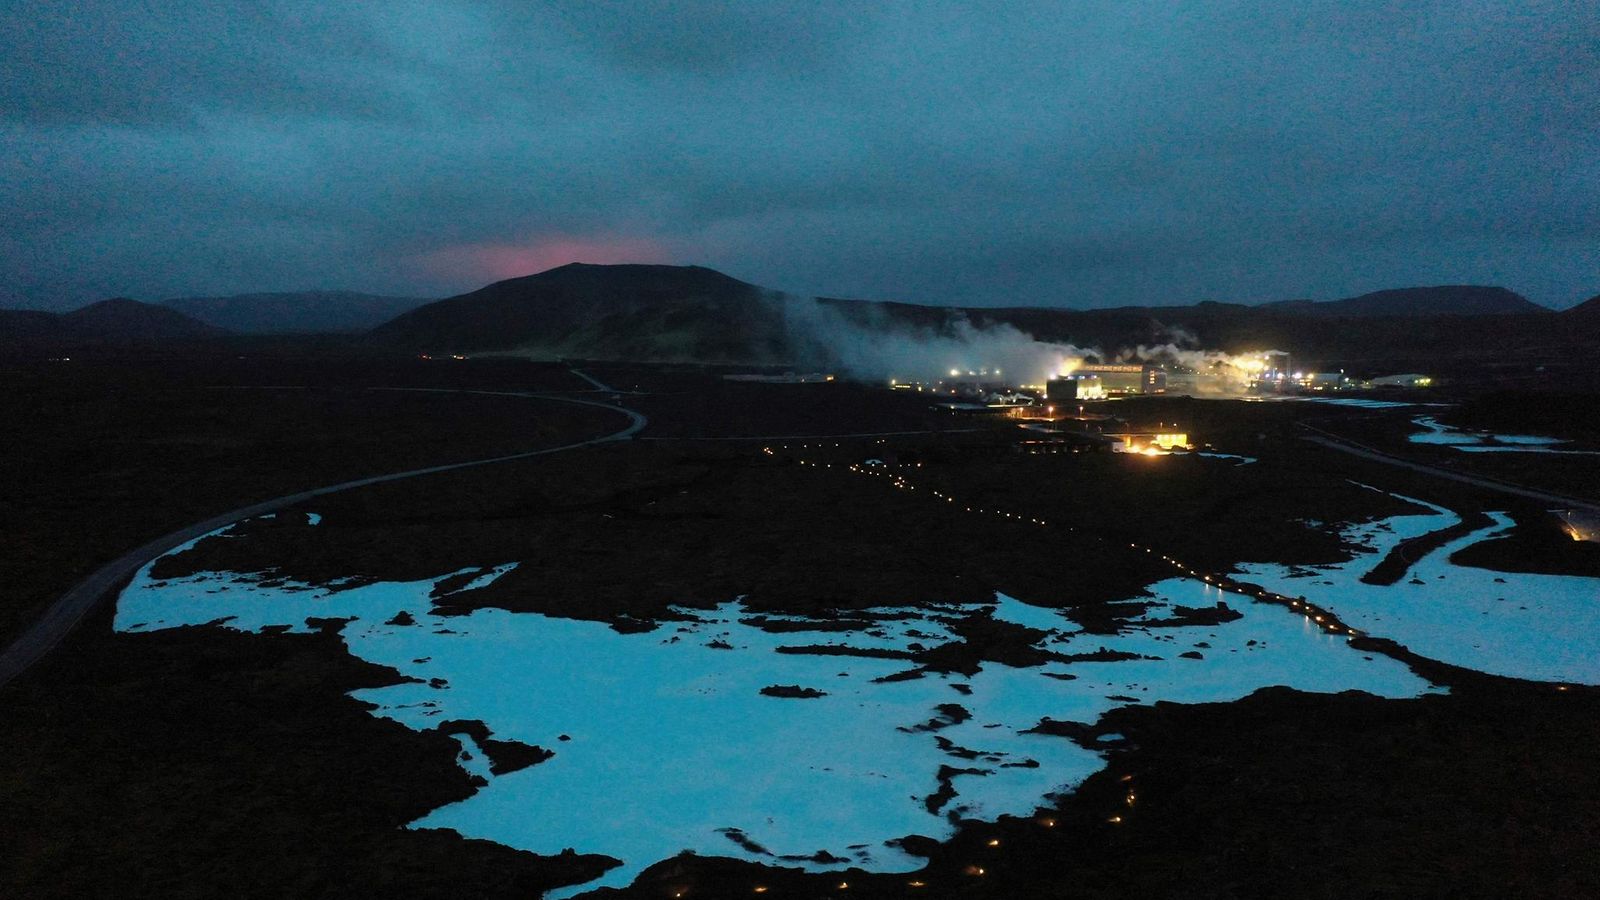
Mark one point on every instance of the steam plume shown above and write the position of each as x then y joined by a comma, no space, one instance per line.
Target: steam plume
869,344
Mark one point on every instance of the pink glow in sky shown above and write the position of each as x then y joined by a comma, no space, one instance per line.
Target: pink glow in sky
484,263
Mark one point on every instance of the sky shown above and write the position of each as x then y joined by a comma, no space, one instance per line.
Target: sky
1080,154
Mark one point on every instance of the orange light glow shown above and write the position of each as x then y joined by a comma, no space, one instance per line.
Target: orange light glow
500,261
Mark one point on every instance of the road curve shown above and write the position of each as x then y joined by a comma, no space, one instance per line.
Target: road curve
1344,445
70,608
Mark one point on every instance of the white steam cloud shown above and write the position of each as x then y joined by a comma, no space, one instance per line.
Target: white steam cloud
864,341
870,345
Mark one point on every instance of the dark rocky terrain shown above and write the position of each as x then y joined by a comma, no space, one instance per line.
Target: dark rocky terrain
194,762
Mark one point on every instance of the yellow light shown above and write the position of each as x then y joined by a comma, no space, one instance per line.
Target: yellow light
1115,820
994,842
761,889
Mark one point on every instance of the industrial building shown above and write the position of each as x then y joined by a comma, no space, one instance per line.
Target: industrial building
1078,433
1119,380
1074,387
1410,380
1275,374
1183,380
1322,381
1097,382
1149,441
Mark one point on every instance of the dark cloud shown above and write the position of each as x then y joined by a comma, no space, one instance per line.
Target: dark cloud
1086,153
705,37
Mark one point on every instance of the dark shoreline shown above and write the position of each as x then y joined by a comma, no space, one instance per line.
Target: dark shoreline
200,762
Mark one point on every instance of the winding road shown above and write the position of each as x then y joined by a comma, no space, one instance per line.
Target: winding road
70,608
1345,445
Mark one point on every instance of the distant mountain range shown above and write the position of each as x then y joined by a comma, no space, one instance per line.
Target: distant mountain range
669,313
1450,300
294,313
115,321
695,314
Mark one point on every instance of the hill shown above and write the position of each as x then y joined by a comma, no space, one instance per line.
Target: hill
118,321
1588,309
122,319
667,313
1444,300
638,312
295,313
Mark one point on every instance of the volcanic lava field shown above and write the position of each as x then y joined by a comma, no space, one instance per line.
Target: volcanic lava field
812,640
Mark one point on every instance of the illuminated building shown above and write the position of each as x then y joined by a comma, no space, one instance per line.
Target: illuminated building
1076,386
1411,380
1579,524
1323,381
1124,379
1271,372
1142,441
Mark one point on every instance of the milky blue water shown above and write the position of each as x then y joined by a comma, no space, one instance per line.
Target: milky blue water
670,742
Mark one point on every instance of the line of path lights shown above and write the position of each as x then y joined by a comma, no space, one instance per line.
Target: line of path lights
1313,614
1321,617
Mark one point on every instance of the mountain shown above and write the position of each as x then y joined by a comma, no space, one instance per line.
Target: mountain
115,321
1588,309
668,313
1444,300
639,312
121,319
290,313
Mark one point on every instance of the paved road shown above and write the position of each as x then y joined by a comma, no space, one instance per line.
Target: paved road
71,608
598,384
1334,442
